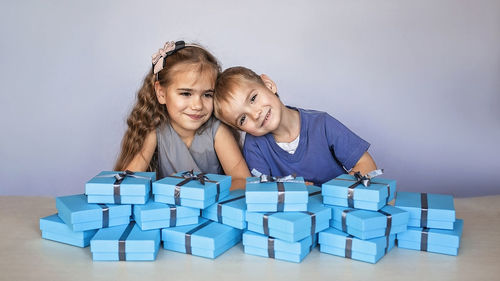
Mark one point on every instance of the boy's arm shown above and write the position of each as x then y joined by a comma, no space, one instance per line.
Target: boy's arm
230,156
364,165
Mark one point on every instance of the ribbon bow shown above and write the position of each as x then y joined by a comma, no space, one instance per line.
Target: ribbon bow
169,48
263,178
366,179
190,175
122,175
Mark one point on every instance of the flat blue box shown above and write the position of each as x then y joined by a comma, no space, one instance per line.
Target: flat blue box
366,224
372,197
154,215
263,197
257,244
233,210
192,194
333,241
80,215
292,226
53,228
209,241
440,214
441,241
132,190
139,245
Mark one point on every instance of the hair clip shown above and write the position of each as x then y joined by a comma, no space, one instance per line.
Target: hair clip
158,58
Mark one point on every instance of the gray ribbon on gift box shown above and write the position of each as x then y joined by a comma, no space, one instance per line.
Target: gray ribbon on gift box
173,215
313,221
265,223
366,181
424,239
189,233
344,218
387,228
119,177
348,246
121,241
105,215
219,206
270,247
189,176
424,203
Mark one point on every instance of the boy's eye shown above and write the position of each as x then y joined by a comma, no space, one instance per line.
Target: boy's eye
252,99
242,120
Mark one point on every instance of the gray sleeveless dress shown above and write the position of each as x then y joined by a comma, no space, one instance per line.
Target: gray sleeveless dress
174,156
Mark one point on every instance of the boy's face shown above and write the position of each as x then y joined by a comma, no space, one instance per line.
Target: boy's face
253,108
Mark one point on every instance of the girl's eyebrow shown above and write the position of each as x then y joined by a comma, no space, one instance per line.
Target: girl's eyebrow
190,90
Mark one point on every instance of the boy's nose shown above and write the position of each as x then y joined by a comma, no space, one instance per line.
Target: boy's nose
256,114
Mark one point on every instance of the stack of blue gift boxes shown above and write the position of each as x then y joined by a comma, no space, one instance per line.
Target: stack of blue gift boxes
126,216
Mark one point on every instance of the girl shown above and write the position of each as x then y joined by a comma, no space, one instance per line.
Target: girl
171,127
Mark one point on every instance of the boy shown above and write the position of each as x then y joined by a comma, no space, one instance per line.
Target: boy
283,140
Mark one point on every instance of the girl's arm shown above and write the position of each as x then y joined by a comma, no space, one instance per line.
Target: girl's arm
364,165
141,160
230,156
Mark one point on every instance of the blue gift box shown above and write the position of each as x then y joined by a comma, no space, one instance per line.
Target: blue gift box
191,190
345,191
207,239
276,196
154,215
265,246
434,240
115,187
53,228
366,224
292,226
230,210
427,210
125,243
80,215
335,242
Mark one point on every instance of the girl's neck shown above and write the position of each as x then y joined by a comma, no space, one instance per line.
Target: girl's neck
289,127
186,136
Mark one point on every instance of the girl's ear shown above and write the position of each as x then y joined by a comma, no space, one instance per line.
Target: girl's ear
269,83
160,93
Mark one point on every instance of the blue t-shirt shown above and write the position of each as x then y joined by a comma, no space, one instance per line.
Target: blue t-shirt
326,150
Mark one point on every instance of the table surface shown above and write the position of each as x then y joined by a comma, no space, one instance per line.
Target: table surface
24,255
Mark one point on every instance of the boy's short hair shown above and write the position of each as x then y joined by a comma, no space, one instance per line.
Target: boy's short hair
227,80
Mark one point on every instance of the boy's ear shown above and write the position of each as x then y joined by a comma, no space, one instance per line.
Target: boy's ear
269,83
160,93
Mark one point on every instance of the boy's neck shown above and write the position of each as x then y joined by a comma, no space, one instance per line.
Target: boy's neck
289,128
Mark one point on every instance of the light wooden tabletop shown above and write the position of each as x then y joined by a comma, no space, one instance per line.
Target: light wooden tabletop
24,255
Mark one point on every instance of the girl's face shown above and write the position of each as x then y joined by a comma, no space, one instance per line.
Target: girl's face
189,99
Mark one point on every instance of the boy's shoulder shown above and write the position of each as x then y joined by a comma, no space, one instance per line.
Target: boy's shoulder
312,114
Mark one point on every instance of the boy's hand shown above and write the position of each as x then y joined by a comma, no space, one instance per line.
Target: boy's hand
364,165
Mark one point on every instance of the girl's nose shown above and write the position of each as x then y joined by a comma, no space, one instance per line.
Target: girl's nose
196,103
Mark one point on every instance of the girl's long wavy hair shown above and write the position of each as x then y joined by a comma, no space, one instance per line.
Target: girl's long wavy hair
147,113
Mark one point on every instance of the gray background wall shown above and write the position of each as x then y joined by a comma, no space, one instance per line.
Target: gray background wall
420,80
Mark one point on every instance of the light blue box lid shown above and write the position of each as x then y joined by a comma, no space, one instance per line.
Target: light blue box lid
193,189
336,238
375,192
75,209
54,224
153,211
232,207
258,240
295,192
441,237
440,206
208,235
291,222
364,220
102,184
137,241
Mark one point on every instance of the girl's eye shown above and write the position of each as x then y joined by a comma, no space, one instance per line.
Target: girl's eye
208,95
252,99
242,120
186,94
